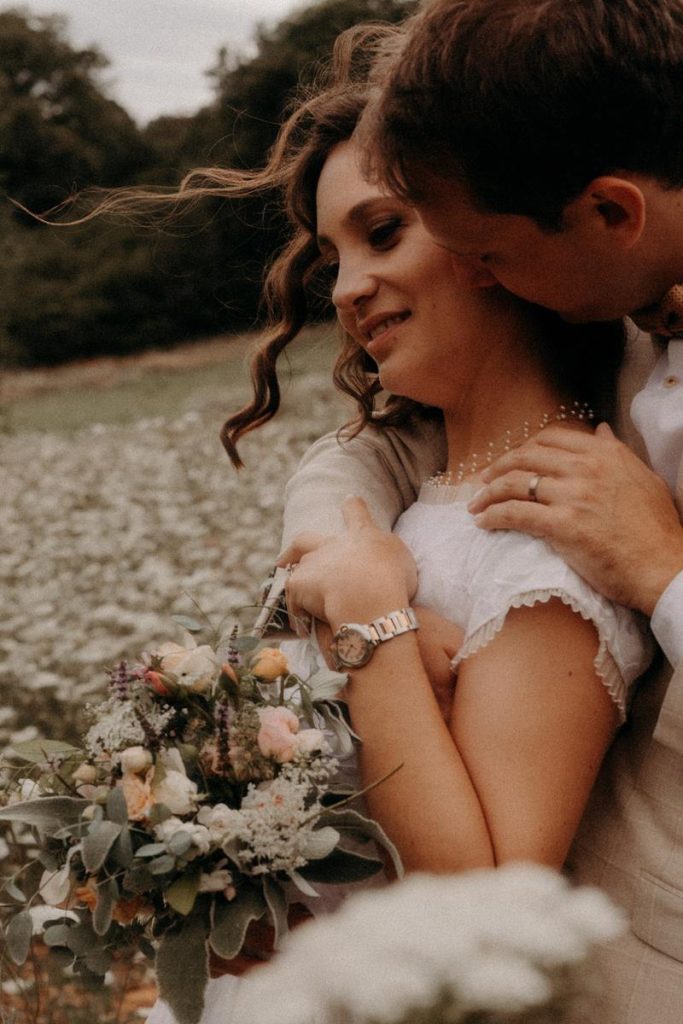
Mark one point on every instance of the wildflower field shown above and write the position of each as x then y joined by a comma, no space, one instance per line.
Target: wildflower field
119,509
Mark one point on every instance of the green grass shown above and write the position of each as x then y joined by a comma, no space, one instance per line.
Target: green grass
147,393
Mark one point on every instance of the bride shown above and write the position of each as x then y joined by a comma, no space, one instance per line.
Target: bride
542,664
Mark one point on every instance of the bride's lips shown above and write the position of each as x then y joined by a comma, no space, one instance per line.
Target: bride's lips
376,329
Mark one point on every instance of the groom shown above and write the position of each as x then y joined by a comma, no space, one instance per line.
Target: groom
542,142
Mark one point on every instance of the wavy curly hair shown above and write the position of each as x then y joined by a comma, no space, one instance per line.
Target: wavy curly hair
583,359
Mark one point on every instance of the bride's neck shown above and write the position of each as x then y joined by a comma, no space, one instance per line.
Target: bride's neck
510,395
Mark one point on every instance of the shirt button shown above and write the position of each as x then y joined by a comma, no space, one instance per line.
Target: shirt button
671,381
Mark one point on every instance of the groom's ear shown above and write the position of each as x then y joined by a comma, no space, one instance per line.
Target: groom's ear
611,206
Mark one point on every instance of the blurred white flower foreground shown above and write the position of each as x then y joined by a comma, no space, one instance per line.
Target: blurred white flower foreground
485,947
103,530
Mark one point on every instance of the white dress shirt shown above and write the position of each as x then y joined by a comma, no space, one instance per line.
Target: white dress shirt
657,414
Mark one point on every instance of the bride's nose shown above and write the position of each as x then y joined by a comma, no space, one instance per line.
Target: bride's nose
354,284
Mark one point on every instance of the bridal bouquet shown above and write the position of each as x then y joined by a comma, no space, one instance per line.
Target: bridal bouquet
203,798
505,946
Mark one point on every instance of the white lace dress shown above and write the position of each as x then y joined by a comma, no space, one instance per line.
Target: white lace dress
474,577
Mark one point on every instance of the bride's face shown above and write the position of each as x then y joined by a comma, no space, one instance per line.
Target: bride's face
420,316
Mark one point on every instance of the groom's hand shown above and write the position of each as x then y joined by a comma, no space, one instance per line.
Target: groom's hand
609,516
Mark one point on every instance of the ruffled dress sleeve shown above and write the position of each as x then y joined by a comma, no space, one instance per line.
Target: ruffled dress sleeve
474,577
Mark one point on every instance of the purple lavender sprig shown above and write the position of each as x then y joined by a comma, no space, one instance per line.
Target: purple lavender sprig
120,679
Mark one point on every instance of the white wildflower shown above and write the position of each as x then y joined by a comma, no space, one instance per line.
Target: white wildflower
403,949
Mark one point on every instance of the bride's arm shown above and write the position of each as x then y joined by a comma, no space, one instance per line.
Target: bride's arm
531,721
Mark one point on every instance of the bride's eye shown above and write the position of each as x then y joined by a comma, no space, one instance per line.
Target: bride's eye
384,234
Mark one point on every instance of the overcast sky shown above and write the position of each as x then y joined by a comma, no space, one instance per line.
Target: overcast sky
160,49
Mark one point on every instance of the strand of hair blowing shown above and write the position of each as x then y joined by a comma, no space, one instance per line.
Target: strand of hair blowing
322,116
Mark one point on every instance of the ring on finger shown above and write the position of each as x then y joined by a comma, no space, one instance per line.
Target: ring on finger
533,487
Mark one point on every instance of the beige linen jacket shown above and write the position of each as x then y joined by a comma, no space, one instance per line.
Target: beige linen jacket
630,841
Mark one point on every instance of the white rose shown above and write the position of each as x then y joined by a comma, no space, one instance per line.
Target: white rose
176,792
193,667
42,916
86,773
135,760
222,822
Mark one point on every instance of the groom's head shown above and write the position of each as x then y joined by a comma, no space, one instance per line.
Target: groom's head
544,138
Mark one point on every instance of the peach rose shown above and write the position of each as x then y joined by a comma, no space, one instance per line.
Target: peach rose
138,794
135,760
277,735
270,663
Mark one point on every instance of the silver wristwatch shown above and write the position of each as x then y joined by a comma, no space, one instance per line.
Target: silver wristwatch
353,644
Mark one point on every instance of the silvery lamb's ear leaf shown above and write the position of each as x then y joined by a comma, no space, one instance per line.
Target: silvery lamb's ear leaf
231,920
277,905
39,751
341,866
49,813
18,937
183,990
356,824
97,844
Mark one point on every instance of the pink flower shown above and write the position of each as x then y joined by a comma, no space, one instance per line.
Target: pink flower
277,735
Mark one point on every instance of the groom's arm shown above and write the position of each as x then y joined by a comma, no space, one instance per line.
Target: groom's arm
384,466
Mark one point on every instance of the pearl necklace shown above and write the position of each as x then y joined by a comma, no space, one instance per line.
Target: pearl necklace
578,411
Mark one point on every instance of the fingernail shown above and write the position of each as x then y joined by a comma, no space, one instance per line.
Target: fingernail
486,476
474,500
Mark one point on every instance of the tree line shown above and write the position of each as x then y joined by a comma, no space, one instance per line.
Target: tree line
113,287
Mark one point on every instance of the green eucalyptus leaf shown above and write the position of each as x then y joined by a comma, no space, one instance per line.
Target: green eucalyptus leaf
232,918
57,935
97,844
179,843
150,850
101,918
13,891
80,939
181,895
117,809
48,814
276,902
340,867
182,969
245,643
162,865
39,751
98,961
18,937
139,879
122,850
188,623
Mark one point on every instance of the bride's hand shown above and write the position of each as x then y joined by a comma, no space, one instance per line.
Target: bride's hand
359,574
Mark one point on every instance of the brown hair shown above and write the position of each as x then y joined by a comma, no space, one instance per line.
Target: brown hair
294,289
525,102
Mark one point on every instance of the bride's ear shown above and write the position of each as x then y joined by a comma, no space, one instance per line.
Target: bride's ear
472,276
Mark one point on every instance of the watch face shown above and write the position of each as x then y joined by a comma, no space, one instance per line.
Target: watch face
352,647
